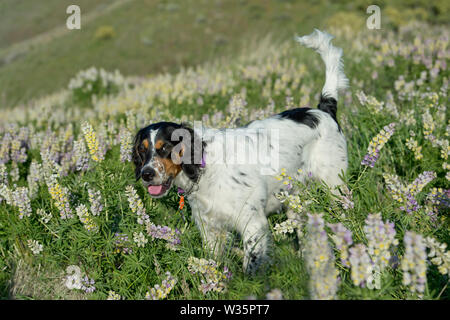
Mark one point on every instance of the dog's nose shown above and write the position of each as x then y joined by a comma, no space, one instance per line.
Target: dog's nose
148,174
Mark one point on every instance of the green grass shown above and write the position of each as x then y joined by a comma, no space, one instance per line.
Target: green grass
151,36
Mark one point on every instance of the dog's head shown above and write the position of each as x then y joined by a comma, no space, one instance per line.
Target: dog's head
161,151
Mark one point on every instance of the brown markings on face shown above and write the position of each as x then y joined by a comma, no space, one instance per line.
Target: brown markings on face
171,168
159,144
145,143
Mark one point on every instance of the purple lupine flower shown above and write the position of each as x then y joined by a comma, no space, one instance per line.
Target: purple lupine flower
136,205
3,174
126,141
122,243
342,238
380,237
361,265
375,145
81,155
165,233
5,147
413,263
22,201
95,199
159,292
87,285
323,283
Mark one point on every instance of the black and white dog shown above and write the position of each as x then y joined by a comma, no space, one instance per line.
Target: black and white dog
228,194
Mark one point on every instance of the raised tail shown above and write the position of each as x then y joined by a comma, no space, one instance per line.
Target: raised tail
335,78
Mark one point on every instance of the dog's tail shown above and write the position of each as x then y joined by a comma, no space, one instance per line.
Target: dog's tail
335,78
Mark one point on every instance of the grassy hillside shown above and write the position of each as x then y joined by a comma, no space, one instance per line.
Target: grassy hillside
68,196
151,36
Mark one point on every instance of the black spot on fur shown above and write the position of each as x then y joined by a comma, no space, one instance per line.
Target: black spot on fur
236,180
329,105
242,173
301,115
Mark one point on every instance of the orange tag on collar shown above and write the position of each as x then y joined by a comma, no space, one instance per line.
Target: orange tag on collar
181,203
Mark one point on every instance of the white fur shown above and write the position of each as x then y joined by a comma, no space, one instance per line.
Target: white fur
332,57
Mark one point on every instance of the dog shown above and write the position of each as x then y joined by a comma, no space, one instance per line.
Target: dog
237,196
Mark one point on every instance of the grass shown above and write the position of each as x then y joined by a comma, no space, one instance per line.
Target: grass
266,69
152,36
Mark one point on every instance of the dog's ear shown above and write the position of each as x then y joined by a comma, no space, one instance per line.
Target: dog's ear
137,154
192,153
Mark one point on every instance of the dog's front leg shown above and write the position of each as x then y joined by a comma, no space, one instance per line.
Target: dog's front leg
214,236
256,238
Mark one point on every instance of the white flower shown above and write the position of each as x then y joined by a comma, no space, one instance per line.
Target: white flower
140,239
35,246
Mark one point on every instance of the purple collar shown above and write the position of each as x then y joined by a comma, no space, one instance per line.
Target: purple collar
180,191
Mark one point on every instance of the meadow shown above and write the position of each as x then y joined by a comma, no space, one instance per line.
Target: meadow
70,205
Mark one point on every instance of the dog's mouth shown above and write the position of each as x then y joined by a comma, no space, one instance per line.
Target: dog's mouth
157,191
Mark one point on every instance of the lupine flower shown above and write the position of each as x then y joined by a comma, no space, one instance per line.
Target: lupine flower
95,199
35,246
49,165
414,147
165,233
439,197
420,182
60,196
342,238
407,118
406,195
34,177
139,239
274,294
92,142
428,125
286,227
370,102
346,200
380,237
413,263
445,149
3,174
113,296
236,108
213,278
6,194
87,285
376,144
80,155
126,141
361,265
136,205
85,218
5,147
159,292
122,243
44,216
22,201
18,151
440,257
323,283
14,172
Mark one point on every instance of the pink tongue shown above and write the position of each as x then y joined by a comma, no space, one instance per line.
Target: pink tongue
155,190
